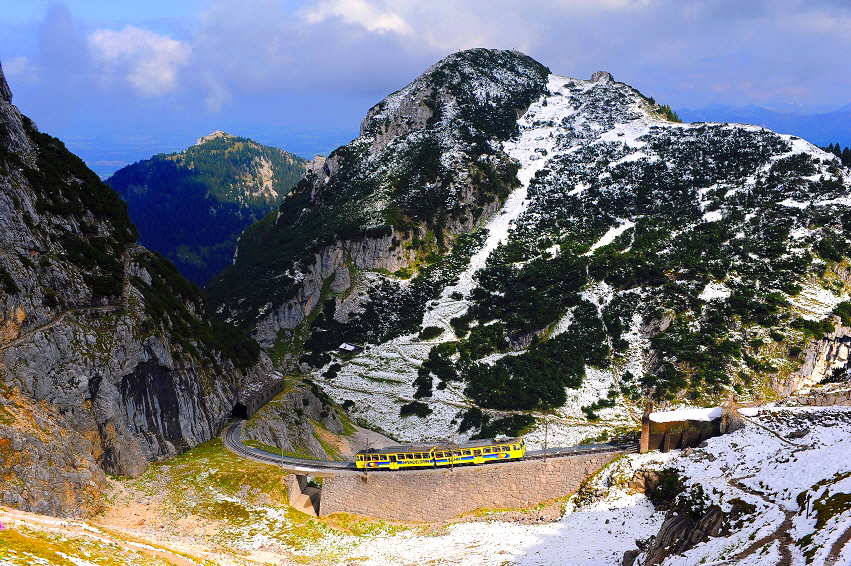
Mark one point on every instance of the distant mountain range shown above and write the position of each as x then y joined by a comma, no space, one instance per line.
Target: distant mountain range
821,129
191,206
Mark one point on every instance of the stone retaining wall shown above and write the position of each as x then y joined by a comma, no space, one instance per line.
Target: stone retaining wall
437,495
816,398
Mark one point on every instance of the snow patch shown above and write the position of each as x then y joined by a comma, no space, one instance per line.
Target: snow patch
686,415
714,291
610,236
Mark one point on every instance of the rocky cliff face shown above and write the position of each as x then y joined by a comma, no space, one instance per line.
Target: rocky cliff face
108,357
302,421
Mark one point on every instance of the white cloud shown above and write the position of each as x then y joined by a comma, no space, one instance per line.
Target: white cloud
361,12
147,61
20,67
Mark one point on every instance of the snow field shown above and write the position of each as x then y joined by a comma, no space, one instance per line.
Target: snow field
815,302
597,532
761,465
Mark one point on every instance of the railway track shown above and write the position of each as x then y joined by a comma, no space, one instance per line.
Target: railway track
231,436
628,448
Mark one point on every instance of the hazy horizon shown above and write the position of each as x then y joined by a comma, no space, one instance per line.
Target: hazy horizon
120,82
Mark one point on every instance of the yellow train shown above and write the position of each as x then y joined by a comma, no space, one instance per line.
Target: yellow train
432,456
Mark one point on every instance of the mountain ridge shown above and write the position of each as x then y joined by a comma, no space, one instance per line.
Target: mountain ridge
216,188
822,128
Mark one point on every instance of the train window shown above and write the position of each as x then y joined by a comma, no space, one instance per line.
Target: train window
359,458
486,450
466,452
516,447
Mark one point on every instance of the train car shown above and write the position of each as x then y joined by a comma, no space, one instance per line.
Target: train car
433,456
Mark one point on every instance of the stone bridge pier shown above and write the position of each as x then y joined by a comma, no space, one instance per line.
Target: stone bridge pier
441,494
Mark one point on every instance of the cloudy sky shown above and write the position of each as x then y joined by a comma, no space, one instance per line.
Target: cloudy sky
119,81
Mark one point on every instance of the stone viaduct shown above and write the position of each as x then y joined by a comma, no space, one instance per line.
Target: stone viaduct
441,494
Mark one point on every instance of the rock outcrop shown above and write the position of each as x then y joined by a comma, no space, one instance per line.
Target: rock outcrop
821,359
333,265
296,421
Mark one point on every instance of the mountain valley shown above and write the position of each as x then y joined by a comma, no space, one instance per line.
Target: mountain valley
502,251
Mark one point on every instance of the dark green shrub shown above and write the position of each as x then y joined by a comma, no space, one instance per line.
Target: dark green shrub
415,408
512,425
430,332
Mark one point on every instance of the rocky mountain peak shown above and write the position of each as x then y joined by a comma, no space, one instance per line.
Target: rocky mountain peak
483,84
602,77
215,135
624,255
5,92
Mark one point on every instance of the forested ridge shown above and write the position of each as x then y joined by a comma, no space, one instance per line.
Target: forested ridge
193,205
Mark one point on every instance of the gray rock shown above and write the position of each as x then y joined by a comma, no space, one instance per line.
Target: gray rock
286,422
104,385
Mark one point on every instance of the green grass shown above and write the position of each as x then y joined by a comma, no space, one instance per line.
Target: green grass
26,546
207,482
275,450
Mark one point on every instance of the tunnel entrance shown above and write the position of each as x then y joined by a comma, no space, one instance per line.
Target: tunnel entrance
239,411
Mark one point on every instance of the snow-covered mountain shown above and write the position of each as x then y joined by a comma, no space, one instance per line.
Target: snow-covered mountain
515,247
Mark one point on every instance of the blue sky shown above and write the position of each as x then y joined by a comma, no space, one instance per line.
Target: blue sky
119,81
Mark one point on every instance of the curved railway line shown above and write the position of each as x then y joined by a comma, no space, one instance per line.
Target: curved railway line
231,436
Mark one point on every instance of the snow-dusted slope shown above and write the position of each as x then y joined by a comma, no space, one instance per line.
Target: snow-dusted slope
792,470
600,167
379,380
520,252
